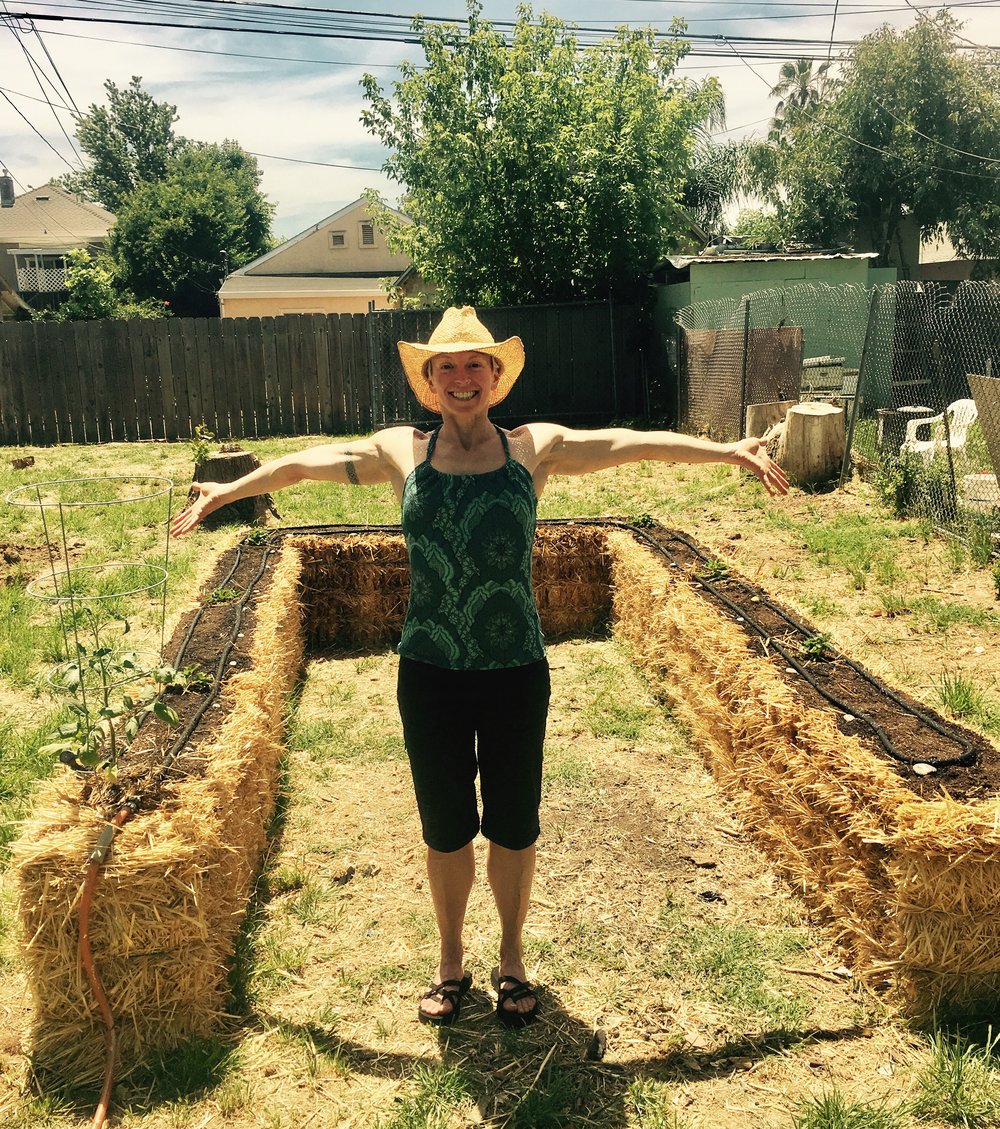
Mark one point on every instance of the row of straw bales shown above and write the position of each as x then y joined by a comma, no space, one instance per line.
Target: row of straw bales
173,892
908,885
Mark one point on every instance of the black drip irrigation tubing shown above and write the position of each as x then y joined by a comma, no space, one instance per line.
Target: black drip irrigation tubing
968,756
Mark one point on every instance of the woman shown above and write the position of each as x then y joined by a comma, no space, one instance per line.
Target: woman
473,684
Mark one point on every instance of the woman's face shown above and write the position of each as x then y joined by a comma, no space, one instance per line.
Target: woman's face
463,382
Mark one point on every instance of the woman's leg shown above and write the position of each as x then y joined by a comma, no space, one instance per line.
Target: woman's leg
510,875
450,875
511,736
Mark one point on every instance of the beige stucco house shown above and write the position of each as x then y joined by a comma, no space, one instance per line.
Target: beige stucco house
337,266
37,233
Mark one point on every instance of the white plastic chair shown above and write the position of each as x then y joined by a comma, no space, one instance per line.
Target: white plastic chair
961,415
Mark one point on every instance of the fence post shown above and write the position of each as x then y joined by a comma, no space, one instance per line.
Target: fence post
859,391
614,359
740,426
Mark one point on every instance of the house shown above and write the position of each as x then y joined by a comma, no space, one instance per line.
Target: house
940,262
338,266
37,233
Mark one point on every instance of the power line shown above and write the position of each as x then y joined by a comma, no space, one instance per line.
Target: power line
34,130
770,47
38,74
322,164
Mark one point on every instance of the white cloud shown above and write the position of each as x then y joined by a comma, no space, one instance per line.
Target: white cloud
310,110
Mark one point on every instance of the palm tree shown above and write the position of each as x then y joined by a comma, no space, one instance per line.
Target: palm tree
800,89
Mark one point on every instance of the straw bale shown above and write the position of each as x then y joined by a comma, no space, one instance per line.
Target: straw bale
910,886
173,891
355,585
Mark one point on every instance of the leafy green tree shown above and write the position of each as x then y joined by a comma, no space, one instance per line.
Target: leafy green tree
536,171
800,89
176,239
129,142
95,292
756,226
912,130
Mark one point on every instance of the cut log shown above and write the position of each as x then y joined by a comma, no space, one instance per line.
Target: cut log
227,466
811,448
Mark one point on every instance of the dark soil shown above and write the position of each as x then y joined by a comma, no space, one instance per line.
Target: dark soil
214,639
892,724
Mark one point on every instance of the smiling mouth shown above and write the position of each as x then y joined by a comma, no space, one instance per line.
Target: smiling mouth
464,395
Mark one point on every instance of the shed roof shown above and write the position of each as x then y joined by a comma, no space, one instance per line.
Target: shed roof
680,262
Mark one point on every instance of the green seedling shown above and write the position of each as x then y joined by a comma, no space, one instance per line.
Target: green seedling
110,692
818,646
224,595
716,569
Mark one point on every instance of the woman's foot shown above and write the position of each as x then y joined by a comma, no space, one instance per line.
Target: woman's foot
517,1001
441,1003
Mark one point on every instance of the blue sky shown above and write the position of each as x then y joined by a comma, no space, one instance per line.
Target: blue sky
298,97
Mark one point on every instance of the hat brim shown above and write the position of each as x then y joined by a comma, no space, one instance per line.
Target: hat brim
414,356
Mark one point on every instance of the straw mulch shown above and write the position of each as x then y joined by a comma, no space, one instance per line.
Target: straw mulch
910,885
176,884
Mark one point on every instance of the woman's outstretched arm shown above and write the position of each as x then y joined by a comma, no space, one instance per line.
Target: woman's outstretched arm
565,450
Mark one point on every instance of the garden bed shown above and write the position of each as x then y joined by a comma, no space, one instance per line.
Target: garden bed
902,864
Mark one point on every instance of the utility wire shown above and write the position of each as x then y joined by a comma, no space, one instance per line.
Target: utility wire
58,73
69,164
38,74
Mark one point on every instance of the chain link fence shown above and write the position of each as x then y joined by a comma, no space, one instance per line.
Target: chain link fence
911,364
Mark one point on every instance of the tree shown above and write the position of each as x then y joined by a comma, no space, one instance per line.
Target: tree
129,142
95,292
800,89
911,132
536,171
176,239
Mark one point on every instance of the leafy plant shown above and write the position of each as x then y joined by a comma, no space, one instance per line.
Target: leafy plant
224,595
201,444
716,569
110,693
818,646
996,579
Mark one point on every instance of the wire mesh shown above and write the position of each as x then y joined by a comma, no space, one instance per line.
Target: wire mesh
911,363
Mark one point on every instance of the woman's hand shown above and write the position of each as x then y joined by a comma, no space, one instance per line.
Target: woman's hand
207,497
751,454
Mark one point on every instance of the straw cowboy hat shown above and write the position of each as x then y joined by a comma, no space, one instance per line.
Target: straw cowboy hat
460,331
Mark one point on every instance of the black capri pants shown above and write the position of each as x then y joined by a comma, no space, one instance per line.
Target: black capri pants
460,722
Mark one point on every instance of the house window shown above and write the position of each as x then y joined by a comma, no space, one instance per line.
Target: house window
338,239
40,273
367,234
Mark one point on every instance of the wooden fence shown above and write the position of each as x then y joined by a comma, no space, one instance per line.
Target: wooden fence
336,374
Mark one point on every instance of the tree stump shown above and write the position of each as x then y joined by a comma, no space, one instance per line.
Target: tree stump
760,418
811,447
227,466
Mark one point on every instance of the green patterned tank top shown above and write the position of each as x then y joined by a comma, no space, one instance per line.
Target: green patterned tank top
469,538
